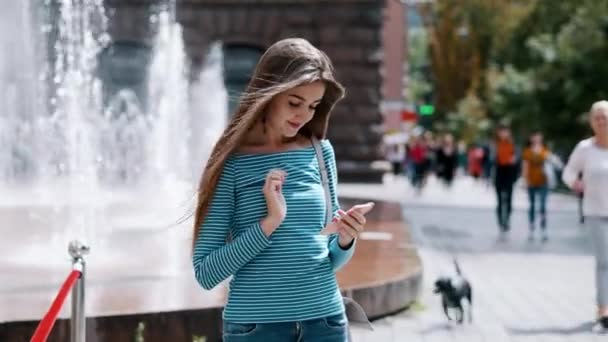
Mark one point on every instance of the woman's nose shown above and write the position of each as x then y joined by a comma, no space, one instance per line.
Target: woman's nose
305,114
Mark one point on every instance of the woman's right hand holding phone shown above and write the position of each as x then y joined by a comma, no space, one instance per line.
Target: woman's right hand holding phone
351,221
275,201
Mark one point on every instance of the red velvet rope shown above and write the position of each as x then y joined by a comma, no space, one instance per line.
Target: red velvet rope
46,325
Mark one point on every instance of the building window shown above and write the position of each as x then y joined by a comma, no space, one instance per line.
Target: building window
123,66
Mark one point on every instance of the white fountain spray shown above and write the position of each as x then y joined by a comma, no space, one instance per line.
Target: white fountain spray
77,110
209,108
105,175
21,98
168,103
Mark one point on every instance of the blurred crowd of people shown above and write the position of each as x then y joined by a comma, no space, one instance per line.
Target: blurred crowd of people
499,162
429,153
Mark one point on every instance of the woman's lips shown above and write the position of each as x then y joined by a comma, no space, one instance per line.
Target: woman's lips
293,124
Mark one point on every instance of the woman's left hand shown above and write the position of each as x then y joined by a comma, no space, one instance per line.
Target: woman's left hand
350,224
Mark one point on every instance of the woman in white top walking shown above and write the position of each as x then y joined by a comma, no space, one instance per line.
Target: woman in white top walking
590,157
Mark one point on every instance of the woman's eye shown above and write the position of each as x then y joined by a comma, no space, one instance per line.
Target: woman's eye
313,108
294,105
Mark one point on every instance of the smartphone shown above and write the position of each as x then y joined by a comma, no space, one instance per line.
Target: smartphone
363,208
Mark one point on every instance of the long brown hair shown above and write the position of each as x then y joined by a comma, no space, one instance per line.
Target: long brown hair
287,64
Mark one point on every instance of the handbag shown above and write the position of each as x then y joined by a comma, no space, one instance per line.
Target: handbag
354,312
549,172
550,167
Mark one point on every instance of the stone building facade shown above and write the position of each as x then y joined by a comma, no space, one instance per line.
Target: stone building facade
349,31
394,68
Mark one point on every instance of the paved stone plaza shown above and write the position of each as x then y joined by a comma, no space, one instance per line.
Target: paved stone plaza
522,291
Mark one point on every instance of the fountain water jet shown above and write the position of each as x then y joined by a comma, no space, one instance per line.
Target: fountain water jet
116,174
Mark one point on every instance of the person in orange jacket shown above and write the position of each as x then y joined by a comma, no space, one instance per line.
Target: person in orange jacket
505,175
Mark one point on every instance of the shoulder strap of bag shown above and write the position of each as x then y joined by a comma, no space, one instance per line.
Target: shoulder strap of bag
324,179
354,312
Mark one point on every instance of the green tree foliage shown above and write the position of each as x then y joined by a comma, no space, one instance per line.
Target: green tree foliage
464,37
553,70
418,85
537,64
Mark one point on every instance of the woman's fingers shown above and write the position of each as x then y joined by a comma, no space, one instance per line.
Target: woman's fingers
348,230
275,180
276,175
350,220
358,216
276,185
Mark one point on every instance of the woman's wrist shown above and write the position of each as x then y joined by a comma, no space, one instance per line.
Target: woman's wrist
269,225
345,244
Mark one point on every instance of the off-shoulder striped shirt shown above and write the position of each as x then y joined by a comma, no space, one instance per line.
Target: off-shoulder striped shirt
289,276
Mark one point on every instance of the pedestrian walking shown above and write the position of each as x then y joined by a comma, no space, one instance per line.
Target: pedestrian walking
396,156
536,169
590,158
475,158
505,175
418,154
446,160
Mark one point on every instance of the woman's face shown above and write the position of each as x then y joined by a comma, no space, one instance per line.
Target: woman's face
448,139
536,139
289,111
599,122
504,134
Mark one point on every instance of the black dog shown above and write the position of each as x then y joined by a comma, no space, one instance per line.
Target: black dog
454,292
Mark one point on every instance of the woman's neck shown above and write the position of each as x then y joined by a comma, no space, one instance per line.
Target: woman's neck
266,141
602,140
272,140
261,136
278,141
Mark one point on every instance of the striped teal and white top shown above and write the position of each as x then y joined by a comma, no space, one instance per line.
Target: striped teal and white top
289,276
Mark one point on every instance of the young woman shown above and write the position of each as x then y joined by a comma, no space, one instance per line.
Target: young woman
590,158
418,154
505,175
447,160
261,206
534,158
475,161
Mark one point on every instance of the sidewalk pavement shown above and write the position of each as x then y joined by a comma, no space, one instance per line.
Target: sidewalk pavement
522,291
465,193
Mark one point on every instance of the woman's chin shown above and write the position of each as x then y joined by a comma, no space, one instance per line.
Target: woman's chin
290,133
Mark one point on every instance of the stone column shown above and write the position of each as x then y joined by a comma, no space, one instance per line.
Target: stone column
350,33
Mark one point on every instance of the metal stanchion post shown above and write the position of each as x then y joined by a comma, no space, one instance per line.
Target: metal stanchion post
78,321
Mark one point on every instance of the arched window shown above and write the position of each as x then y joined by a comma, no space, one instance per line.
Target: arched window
239,64
124,66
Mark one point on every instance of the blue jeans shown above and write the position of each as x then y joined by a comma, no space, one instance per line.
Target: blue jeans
328,329
540,192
